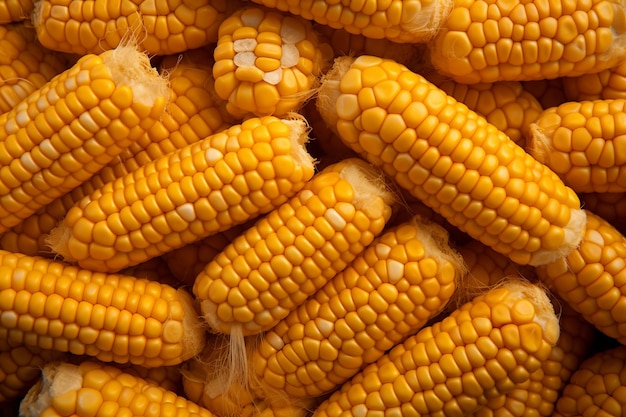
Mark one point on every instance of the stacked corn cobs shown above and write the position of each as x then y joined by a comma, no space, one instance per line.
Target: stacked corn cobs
356,208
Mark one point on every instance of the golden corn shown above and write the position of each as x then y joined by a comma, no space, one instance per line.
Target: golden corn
74,125
584,143
204,188
451,159
592,278
481,350
15,10
406,21
20,368
293,251
403,279
607,84
483,41
267,62
549,93
25,65
92,389
92,26
609,206
114,318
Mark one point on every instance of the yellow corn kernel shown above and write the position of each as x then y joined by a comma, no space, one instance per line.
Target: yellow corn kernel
481,350
25,65
607,84
293,251
74,125
609,206
204,188
592,278
549,93
267,62
20,369
114,318
404,21
15,10
486,41
92,26
402,280
451,159
93,389
584,143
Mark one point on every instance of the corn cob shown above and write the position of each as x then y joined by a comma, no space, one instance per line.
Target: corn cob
481,350
15,10
584,143
92,389
484,41
92,26
451,159
549,93
607,84
20,369
609,206
293,251
403,279
204,188
74,125
597,387
114,318
267,62
404,21
25,65
591,278
193,113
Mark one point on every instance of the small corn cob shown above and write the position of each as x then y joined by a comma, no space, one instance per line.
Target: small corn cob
20,368
481,350
63,133
607,84
592,278
293,251
267,62
609,206
483,41
549,93
404,21
91,389
201,189
451,159
114,318
15,10
92,26
25,65
584,143
403,279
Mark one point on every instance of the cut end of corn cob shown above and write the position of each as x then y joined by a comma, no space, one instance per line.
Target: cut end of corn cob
299,136
57,379
329,90
573,234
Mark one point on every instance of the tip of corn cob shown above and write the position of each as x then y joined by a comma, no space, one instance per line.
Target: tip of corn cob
57,378
299,136
368,183
329,91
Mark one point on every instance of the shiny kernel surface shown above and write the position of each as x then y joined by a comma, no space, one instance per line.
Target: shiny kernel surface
607,84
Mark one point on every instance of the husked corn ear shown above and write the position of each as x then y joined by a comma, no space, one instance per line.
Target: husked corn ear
483,41
609,206
25,65
584,143
405,21
267,62
204,188
451,159
294,250
114,318
20,368
550,92
15,10
92,26
597,387
607,84
591,278
481,350
92,389
403,279
63,133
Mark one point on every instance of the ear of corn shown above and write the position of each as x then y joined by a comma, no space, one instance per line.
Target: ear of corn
15,10
115,318
204,188
483,41
451,159
606,84
20,369
484,348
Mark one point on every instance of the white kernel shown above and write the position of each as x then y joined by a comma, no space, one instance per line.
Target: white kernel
245,45
212,156
252,17
290,56
274,340
187,212
382,251
292,30
596,237
395,270
244,59
273,77
28,162
335,219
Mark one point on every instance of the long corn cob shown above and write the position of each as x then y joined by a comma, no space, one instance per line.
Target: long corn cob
15,10
403,279
483,41
607,84
267,62
204,188
483,349
406,21
452,159
293,251
92,389
163,28
115,318
20,368
25,65
74,125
